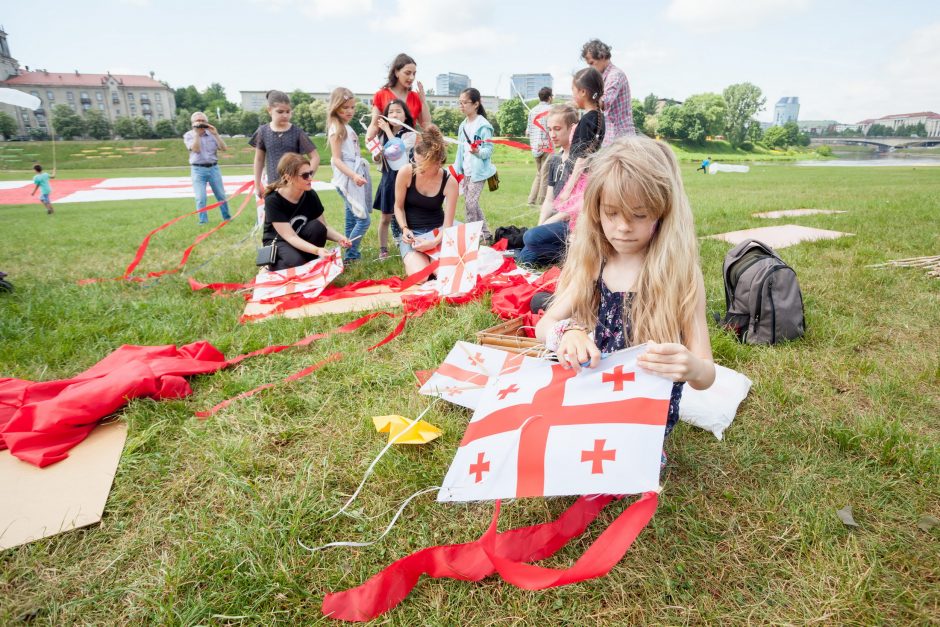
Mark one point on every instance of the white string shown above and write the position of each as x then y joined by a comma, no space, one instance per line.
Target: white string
384,533
376,460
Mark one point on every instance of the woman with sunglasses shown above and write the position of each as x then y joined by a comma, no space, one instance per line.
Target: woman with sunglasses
293,215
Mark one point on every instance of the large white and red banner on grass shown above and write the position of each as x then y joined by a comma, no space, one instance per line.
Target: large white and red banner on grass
544,430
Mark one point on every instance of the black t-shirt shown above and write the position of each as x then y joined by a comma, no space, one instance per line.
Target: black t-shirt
588,135
276,144
554,173
279,209
586,141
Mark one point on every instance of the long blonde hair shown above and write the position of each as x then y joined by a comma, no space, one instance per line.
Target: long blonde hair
287,167
338,98
664,301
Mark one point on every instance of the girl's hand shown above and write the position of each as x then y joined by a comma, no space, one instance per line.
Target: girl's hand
359,180
408,235
421,89
385,128
345,242
474,148
577,348
671,361
425,244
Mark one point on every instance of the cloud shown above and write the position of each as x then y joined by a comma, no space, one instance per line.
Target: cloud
431,30
719,15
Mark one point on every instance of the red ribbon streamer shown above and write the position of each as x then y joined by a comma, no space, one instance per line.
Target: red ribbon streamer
504,553
297,375
142,248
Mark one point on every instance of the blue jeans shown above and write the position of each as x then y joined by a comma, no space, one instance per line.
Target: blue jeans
212,176
355,228
544,245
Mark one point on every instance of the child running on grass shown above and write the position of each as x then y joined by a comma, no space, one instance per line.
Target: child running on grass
632,273
274,140
397,113
41,180
350,170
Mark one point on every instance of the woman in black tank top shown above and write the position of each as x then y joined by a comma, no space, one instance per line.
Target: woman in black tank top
425,200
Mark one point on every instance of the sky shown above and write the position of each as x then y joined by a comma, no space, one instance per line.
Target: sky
845,60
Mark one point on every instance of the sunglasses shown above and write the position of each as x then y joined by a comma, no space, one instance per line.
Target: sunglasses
306,175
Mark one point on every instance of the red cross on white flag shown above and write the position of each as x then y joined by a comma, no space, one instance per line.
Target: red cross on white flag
468,369
309,279
546,431
459,267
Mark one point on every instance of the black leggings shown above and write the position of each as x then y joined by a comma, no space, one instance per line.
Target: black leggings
314,232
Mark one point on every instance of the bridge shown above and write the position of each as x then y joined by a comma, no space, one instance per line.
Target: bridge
883,144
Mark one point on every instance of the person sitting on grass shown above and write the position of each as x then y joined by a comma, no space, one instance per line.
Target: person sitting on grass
41,180
293,215
632,274
425,200
545,244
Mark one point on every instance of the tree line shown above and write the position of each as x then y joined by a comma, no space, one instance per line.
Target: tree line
728,115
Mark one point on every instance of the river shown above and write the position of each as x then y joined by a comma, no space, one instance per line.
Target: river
850,159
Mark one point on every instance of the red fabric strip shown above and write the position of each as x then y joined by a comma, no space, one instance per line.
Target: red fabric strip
142,248
466,562
597,560
297,375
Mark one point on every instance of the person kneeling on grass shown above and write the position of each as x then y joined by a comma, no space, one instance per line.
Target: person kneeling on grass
425,199
293,215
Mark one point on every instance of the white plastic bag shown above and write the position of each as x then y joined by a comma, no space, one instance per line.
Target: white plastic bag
714,409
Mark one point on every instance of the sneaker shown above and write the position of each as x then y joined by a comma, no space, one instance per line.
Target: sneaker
50,211
383,254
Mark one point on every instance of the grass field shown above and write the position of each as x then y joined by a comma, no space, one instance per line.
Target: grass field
203,522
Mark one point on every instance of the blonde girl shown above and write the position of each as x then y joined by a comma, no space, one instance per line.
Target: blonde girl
350,170
274,140
632,274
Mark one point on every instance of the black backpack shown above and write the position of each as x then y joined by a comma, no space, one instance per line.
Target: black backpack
512,234
763,300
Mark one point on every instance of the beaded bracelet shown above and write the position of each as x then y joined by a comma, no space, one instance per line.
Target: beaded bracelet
553,340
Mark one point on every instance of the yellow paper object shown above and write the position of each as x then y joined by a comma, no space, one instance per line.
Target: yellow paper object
420,432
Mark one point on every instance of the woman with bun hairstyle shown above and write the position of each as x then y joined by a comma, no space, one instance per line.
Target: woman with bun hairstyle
425,201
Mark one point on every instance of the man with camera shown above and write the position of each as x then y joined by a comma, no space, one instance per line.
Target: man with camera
203,142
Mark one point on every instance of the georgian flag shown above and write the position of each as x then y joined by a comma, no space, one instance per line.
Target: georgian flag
468,369
459,265
546,431
309,279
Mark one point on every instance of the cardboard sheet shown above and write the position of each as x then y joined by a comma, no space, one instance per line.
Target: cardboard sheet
376,297
779,236
790,213
43,502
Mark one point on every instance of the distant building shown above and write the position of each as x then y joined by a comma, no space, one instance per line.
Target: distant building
115,95
451,84
929,119
816,127
528,85
254,100
786,110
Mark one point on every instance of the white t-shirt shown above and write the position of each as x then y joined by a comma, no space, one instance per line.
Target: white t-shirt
471,129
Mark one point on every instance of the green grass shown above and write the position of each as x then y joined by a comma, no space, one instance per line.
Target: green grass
204,516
